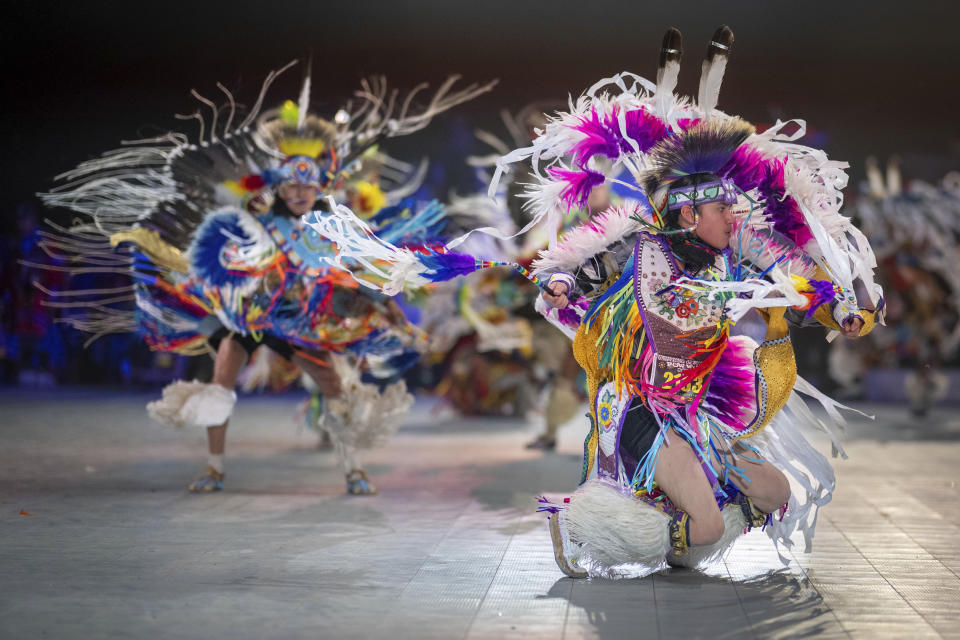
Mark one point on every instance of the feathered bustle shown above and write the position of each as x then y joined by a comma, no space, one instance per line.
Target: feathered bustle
731,395
749,168
586,240
603,134
579,184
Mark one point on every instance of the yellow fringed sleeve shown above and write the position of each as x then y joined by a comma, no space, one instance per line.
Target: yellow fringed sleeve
824,315
776,369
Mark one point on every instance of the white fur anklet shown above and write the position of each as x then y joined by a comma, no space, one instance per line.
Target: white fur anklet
614,528
193,404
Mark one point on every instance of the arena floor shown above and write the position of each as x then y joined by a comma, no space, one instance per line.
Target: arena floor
99,538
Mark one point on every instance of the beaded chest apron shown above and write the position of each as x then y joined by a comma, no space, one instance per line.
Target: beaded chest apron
675,319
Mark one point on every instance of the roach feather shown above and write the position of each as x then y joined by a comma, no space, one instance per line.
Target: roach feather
669,69
714,65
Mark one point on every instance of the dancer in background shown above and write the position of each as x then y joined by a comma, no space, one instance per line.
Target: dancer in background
497,355
915,232
209,232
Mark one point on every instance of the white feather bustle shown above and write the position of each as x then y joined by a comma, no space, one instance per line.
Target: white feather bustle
586,240
193,404
614,529
625,92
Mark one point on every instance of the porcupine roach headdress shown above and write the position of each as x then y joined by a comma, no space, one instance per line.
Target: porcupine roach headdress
306,162
698,153
314,151
306,141
686,169
303,143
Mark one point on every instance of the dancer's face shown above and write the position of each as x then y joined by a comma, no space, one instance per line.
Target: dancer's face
299,197
715,225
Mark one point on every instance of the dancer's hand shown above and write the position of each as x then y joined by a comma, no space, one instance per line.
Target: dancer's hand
852,326
558,299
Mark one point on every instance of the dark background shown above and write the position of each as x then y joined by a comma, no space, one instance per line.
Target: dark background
869,77
876,77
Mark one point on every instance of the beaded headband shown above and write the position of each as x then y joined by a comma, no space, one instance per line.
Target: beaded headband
300,170
722,190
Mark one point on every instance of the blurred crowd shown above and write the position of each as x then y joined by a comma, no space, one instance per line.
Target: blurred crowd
36,350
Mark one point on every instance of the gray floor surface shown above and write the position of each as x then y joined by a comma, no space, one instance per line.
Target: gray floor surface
99,539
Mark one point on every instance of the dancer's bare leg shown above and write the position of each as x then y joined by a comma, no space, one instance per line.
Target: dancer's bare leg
318,366
231,357
767,486
229,361
681,477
